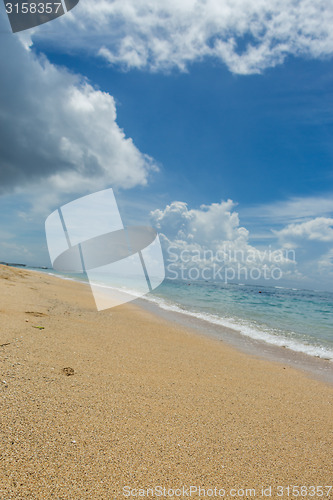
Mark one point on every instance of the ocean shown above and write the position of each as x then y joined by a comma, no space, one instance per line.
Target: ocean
300,320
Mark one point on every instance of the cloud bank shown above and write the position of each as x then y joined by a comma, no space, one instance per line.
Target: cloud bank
212,238
248,36
209,243
58,131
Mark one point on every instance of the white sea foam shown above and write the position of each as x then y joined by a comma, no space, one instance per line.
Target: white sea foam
247,329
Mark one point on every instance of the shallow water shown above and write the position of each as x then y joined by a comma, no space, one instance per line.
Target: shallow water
301,320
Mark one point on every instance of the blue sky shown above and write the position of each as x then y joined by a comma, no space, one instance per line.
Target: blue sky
241,112
254,138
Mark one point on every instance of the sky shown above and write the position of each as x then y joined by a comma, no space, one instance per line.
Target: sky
211,120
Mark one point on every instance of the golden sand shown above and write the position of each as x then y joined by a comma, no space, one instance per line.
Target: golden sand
149,404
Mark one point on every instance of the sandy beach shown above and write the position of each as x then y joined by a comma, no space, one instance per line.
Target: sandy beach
144,402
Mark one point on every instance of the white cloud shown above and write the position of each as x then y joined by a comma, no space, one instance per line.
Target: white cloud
59,133
247,35
205,226
296,209
318,229
212,236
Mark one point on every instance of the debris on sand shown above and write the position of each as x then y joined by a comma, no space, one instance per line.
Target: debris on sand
68,371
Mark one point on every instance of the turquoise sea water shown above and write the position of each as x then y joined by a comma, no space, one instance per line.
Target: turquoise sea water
301,320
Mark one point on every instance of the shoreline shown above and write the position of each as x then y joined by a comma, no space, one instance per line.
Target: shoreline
315,366
319,368
93,402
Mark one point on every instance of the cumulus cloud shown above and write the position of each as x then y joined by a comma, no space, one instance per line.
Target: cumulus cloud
313,240
212,238
318,229
247,35
208,225
57,128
